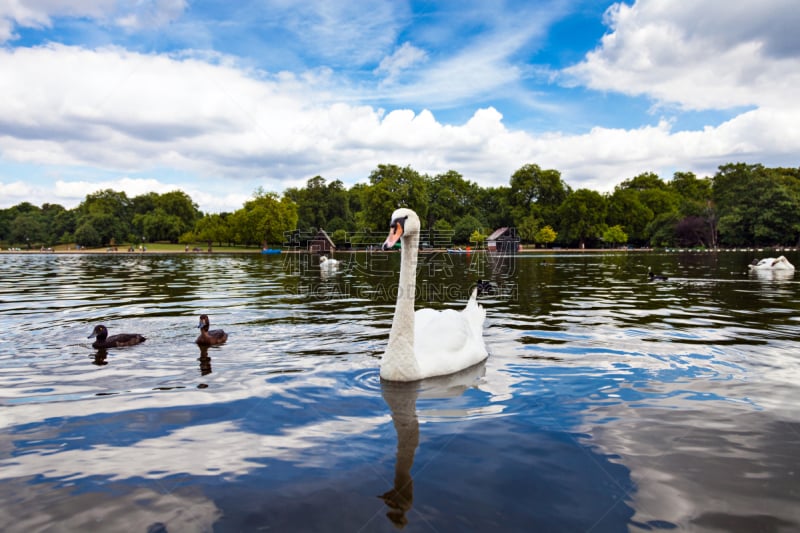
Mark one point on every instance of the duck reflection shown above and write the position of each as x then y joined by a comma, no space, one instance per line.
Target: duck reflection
99,358
205,361
402,401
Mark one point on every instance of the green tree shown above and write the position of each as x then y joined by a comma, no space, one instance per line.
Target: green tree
179,204
441,234
545,235
451,197
477,238
158,225
62,224
615,236
692,190
339,237
527,228
109,213
10,214
637,202
464,229
86,235
144,203
264,219
163,217
582,216
322,205
213,228
492,203
28,229
392,187
626,210
536,192
756,205
697,224
644,182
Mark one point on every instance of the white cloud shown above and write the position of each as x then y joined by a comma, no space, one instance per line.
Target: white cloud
155,13
402,59
149,117
16,192
470,74
355,33
469,66
128,14
698,55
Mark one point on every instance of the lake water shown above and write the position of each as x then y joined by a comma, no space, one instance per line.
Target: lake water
608,403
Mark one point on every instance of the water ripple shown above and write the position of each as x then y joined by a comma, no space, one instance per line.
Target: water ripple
655,401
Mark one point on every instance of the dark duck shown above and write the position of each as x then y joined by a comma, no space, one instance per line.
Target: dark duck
102,340
206,337
652,276
484,287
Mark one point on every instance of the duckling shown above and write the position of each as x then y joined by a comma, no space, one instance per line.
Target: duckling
207,338
114,341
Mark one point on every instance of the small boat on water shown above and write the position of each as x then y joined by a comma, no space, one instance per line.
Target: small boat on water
270,251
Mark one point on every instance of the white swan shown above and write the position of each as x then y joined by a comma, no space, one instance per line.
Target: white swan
772,263
328,264
427,343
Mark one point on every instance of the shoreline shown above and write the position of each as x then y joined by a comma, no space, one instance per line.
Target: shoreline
421,252
282,251
337,252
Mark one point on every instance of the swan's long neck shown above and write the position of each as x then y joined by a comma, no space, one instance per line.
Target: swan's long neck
399,362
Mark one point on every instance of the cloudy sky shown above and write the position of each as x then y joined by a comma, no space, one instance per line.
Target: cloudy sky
219,98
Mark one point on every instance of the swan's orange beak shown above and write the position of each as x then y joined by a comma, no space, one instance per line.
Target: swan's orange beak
395,232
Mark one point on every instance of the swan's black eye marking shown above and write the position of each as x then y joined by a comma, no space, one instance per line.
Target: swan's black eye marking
401,221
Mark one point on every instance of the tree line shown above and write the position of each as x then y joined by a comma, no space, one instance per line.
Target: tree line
741,205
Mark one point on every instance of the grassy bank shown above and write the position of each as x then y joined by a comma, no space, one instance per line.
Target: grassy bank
154,247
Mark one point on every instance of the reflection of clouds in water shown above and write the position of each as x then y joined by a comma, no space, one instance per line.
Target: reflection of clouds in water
704,476
220,449
684,407
643,403
184,510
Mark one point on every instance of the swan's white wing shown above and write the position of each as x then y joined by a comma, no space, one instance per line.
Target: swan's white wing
439,331
773,263
448,341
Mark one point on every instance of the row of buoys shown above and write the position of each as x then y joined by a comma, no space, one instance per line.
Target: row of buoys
684,250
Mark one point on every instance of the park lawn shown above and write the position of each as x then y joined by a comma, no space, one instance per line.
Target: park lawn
161,247
168,247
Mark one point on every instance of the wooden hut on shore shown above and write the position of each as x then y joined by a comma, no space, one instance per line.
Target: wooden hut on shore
503,241
321,243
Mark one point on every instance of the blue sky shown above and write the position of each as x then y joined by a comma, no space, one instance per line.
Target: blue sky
219,98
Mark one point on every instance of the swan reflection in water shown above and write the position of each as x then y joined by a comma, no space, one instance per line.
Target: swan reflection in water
772,275
401,397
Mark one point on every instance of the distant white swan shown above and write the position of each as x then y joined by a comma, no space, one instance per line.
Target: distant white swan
771,263
427,343
328,264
